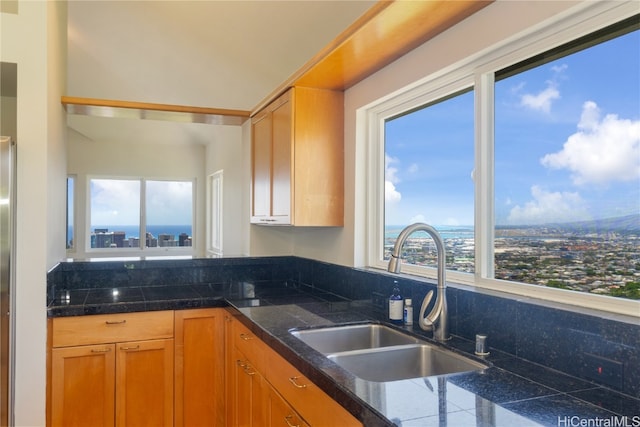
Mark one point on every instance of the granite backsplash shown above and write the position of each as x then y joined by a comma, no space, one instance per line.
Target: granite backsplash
564,339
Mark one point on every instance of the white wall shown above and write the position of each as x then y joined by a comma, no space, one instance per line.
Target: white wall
493,24
86,158
224,154
34,39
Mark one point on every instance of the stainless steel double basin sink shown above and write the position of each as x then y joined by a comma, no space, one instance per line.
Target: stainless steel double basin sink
379,353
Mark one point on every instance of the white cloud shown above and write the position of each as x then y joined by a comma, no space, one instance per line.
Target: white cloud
542,100
391,195
115,202
390,172
547,207
601,151
413,169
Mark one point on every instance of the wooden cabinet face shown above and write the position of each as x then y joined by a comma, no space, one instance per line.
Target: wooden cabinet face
199,367
282,161
98,382
281,414
261,158
144,383
83,386
298,160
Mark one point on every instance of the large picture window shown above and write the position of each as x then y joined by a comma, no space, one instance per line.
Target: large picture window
531,178
567,170
140,214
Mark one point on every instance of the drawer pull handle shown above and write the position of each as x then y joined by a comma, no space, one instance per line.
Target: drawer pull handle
287,418
246,337
116,322
248,369
293,380
241,363
102,350
136,347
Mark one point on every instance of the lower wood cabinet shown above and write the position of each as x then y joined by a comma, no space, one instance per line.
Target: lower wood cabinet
281,413
83,386
266,390
144,383
250,394
106,383
199,367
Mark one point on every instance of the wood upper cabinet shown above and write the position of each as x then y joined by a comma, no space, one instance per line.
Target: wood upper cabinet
104,372
298,160
199,367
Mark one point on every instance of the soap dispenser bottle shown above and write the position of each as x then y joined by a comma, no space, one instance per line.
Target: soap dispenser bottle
396,306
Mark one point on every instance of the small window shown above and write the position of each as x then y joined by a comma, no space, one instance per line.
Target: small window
71,185
169,213
215,213
115,213
123,216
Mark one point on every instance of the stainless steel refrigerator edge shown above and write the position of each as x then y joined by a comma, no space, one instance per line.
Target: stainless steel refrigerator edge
7,262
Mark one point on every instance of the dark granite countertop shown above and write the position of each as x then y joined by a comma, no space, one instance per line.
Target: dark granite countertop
510,392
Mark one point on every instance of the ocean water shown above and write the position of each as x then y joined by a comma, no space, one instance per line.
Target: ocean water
446,231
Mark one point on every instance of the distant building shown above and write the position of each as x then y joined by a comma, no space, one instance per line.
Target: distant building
184,240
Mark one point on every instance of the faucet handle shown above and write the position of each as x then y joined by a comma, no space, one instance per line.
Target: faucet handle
425,324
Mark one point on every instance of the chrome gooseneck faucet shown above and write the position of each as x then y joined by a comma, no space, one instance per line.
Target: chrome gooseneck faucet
438,319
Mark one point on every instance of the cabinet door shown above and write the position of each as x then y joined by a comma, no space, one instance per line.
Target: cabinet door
199,367
281,414
144,383
250,394
83,386
282,162
230,383
261,165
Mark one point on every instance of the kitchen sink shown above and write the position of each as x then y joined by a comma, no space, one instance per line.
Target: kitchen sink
352,337
403,362
374,352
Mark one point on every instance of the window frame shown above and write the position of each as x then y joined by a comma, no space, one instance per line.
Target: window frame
142,250
479,72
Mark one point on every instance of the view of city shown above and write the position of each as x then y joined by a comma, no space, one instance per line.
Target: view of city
573,257
164,236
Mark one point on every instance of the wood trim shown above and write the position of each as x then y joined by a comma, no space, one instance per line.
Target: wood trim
388,30
145,110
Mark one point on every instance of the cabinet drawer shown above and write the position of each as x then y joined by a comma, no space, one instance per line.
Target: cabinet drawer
250,345
313,404
110,328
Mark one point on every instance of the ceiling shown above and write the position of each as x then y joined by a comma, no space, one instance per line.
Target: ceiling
218,54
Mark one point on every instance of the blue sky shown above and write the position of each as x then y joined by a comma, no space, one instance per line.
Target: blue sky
117,202
567,145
